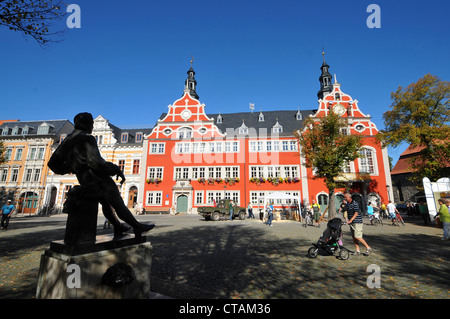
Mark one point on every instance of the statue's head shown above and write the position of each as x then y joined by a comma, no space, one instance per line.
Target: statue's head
84,122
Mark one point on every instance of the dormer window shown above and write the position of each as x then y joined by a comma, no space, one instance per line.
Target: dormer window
261,117
243,129
5,130
16,130
277,128
25,130
299,116
124,138
219,119
138,137
43,129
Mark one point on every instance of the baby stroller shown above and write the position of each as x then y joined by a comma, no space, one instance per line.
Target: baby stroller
331,241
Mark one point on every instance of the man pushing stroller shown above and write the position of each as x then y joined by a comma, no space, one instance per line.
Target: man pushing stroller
356,224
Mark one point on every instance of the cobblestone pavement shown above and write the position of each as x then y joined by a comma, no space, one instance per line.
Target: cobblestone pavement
194,258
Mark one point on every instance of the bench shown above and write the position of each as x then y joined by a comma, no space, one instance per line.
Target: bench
155,210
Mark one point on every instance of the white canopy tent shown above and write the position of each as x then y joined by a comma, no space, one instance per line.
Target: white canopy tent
434,191
280,195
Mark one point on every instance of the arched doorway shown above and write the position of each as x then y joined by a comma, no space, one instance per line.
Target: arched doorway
322,200
182,204
28,202
374,198
338,199
132,196
53,193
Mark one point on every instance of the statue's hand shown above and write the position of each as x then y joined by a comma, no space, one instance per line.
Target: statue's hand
120,174
122,178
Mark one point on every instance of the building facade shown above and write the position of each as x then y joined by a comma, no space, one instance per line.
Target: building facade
193,159
27,149
367,178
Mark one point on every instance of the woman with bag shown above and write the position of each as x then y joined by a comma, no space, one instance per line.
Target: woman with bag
444,218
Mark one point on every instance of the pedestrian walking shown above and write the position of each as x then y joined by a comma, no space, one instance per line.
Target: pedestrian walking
316,212
383,210
137,208
6,211
250,210
370,212
444,218
269,214
392,212
231,207
342,210
356,224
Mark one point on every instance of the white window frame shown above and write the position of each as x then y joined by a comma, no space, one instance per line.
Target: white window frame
155,172
362,161
156,148
152,198
199,197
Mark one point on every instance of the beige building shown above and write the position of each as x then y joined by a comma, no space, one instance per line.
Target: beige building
121,146
27,148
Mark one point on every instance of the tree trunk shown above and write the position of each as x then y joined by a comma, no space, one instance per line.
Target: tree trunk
331,204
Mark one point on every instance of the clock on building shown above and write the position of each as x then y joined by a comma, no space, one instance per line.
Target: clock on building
339,109
186,114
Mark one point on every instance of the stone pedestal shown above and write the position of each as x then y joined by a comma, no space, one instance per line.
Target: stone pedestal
77,272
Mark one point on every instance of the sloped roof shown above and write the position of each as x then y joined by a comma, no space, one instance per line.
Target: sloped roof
55,126
131,133
286,118
4,121
403,165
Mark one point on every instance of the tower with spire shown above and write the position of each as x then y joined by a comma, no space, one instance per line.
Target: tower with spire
325,80
190,84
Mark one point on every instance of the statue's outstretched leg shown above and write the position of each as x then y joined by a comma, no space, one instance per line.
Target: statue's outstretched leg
119,228
111,195
124,214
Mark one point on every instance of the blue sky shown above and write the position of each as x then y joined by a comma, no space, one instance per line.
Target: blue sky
129,60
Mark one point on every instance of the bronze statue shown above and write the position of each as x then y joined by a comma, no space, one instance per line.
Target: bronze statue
78,153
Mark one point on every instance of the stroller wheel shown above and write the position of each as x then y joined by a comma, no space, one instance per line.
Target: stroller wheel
312,252
344,253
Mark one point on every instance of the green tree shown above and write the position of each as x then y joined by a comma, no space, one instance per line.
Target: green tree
33,18
419,116
327,149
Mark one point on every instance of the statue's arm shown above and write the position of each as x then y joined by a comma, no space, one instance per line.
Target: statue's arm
98,163
57,162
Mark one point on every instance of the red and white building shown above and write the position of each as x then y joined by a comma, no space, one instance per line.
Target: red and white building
192,158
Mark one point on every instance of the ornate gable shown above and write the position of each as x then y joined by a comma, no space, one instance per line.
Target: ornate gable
186,114
344,105
103,132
